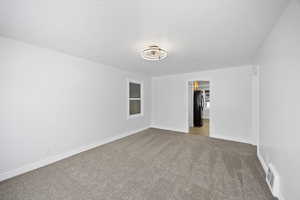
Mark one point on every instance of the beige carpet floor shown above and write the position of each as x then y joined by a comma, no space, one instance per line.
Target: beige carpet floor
151,165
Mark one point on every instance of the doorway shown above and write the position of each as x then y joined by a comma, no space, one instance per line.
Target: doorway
198,107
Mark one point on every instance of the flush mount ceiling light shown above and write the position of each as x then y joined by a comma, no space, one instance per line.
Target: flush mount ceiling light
154,53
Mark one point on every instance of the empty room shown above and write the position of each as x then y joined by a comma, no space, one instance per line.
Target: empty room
149,100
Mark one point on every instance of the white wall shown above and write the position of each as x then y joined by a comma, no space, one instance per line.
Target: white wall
206,113
279,139
52,104
231,102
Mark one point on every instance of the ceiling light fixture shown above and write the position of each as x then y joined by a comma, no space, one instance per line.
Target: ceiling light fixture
154,53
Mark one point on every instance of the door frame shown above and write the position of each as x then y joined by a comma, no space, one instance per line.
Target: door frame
187,104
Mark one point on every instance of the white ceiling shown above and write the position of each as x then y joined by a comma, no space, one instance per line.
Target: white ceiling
198,34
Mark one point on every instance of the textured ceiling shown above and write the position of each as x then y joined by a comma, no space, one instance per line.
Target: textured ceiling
198,34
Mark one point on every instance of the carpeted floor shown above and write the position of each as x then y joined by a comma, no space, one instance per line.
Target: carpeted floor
151,165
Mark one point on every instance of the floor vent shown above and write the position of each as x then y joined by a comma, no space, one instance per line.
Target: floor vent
272,179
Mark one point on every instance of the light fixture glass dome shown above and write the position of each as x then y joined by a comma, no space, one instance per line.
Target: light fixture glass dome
153,53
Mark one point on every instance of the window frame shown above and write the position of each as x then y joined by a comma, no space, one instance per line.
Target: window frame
131,116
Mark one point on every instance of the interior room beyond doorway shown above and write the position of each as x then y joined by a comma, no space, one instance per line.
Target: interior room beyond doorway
199,105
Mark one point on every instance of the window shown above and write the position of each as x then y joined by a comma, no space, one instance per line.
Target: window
135,102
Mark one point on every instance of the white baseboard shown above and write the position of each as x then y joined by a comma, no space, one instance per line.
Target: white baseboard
52,159
262,161
281,197
212,136
167,128
265,168
230,139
